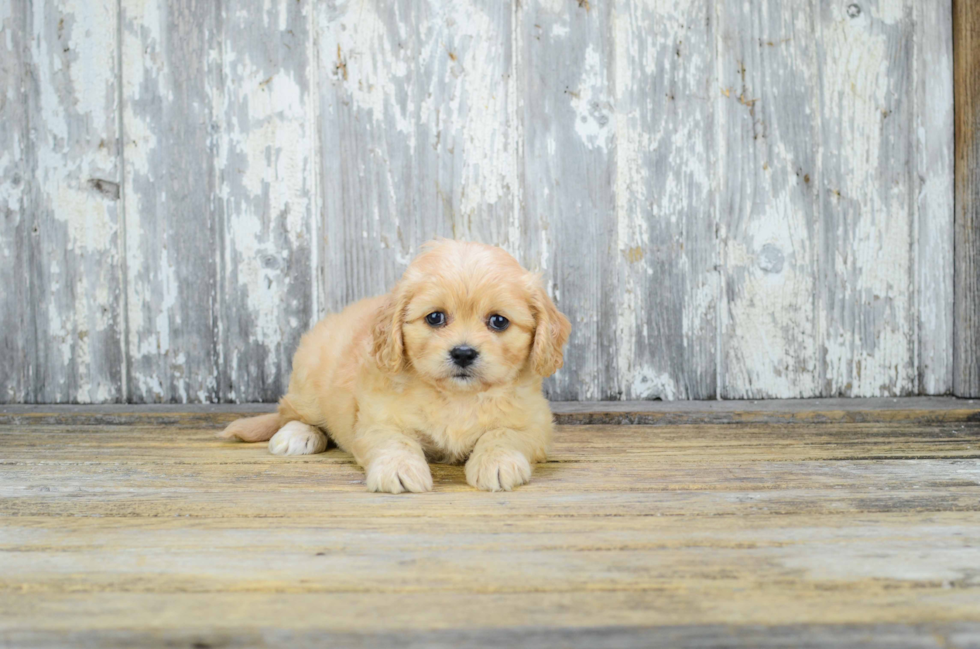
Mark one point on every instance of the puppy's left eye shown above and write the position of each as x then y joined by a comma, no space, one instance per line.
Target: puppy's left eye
436,319
498,322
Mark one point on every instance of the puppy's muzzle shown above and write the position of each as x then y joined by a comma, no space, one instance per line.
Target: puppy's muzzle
463,355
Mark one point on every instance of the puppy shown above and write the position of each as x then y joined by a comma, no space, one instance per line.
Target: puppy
447,367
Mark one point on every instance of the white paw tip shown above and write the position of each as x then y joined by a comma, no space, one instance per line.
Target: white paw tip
399,474
498,470
297,438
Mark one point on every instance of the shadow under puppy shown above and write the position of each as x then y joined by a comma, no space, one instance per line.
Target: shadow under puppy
447,366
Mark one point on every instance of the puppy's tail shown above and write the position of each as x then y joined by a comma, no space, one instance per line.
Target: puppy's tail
252,429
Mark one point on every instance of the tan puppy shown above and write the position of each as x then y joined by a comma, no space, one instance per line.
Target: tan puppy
447,366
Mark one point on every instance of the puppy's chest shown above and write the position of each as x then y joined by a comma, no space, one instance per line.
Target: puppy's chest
448,432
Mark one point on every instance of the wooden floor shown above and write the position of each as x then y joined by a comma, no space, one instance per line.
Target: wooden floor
123,528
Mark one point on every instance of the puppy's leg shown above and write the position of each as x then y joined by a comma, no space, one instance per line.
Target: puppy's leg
501,459
393,461
297,438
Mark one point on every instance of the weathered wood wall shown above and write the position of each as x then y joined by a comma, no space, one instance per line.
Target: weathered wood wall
729,199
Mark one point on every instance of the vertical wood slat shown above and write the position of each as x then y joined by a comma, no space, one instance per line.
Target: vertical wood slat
366,57
266,175
966,70
569,140
865,302
933,186
76,201
661,271
464,137
768,215
18,344
417,139
169,68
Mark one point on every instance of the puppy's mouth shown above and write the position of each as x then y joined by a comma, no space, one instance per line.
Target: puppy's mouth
463,376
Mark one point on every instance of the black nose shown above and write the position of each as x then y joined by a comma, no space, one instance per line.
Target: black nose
464,355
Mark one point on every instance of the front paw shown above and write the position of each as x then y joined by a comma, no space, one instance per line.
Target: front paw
398,473
498,470
297,438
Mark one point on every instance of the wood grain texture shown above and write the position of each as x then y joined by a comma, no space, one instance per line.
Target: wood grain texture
18,334
867,322
266,170
366,62
912,410
170,72
966,344
810,534
933,184
769,218
735,200
890,636
76,253
465,137
919,410
661,270
418,139
569,144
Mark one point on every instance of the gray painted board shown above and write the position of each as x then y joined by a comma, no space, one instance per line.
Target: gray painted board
568,176
728,199
169,73
933,186
76,256
18,343
665,280
264,107
366,53
865,279
769,219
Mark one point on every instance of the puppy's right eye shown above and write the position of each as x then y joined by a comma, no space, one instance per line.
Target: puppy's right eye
436,319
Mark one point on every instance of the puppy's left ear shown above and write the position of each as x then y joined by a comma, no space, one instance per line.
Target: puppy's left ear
389,347
551,331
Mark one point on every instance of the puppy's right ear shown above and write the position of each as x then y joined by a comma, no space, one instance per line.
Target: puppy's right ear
389,348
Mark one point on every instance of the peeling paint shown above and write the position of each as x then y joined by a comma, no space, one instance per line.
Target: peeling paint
734,199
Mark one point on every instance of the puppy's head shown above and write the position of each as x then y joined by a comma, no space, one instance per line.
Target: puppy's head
466,316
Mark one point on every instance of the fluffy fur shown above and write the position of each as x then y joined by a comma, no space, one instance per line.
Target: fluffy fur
378,379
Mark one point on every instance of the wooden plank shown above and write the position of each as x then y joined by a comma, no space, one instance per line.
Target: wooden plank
735,535
867,322
465,138
267,207
966,73
76,256
18,336
169,75
356,560
768,210
773,532
933,186
417,105
569,144
659,266
748,471
367,54
917,409
444,508
827,466
264,612
911,410
886,636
